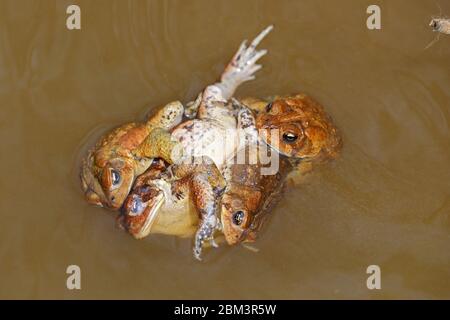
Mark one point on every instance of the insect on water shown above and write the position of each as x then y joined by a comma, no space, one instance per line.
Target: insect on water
440,25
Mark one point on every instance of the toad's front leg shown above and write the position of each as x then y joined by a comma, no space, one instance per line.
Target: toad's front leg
160,144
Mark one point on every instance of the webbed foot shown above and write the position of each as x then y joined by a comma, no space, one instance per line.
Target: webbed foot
205,232
242,66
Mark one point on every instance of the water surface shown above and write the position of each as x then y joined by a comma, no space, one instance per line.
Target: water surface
385,201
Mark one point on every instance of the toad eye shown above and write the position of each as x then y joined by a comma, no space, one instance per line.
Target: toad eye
238,217
289,137
136,207
115,177
269,107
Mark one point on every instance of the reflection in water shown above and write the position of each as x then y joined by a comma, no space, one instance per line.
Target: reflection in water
386,201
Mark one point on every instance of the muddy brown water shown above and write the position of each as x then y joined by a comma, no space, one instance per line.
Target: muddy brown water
385,202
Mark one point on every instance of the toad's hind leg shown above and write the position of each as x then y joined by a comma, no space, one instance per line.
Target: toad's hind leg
240,69
246,122
205,201
206,185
